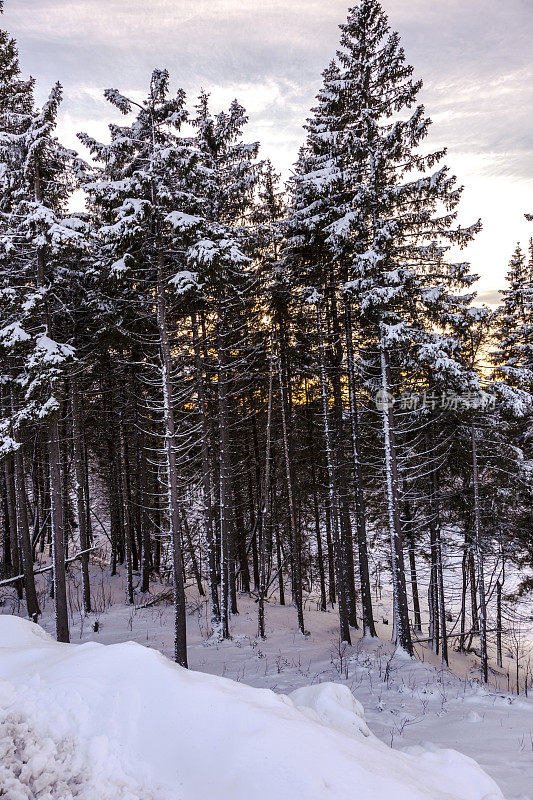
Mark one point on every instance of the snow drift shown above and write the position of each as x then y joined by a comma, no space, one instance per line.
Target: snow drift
121,722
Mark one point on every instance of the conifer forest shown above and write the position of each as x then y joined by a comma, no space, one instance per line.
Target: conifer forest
228,395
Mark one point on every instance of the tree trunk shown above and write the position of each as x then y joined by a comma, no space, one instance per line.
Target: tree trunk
435,523
360,509
240,530
23,530
331,557
146,544
81,500
224,469
340,465
56,492
316,508
412,566
58,538
206,482
479,561
180,622
293,530
464,583
126,510
499,658
12,520
402,633
332,491
264,503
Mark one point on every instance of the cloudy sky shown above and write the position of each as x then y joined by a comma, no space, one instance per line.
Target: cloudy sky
473,55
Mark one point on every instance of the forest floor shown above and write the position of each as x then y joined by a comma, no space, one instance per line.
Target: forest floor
407,702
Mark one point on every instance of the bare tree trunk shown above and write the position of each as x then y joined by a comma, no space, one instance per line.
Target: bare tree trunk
126,510
294,532
81,500
331,557
402,632
435,524
412,566
316,509
56,493
23,530
340,464
224,470
86,492
258,493
12,520
58,533
180,622
206,482
146,544
44,494
433,603
239,537
499,658
279,566
360,510
479,561
264,503
332,490
464,582
112,488
68,516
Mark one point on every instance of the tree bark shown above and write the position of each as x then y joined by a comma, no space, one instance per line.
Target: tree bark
402,633
180,622
360,509
340,465
316,508
479,561
12,520
293,529
81,500
206,481
264,503
412,566
23,530
332,491
224,469
126,509
58,531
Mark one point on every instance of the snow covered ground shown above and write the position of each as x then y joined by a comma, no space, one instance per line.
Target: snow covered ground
407,703
121,721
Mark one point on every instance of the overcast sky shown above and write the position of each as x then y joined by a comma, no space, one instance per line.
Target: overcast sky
473,55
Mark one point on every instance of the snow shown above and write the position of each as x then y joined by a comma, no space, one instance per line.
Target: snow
313,298
334,705
12,334
119,267
47,351
181,221
184,280
122,721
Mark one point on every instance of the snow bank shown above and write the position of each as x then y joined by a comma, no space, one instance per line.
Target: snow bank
121,721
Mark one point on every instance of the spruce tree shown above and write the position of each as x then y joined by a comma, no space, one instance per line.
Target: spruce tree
38,238
223,285
513,356
386,232
144,196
